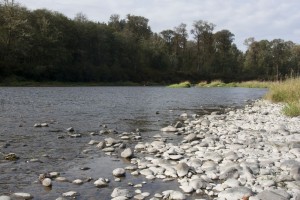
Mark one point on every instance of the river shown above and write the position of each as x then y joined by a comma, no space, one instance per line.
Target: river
87,109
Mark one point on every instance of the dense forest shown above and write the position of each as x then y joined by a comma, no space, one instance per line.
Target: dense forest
43,45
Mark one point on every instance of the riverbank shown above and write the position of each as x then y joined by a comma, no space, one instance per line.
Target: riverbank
251,153
65,84
287,91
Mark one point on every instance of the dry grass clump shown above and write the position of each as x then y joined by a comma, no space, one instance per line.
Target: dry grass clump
288,92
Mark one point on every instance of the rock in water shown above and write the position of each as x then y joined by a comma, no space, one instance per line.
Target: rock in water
70,194
127,153
101,182
169,129
71,129
119,192
37,125
22,195
119,172
11,157
44,125
47,182
78,182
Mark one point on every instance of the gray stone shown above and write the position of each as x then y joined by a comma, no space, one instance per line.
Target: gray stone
173,195
47,182
78,182
178,125
119,192
146,172
101,182
267,183
61,179
70,194
231,183
191,137
175,157
209,165
289,164
44,125
197,184
71,129
108,149
182,169
101,145
295,173
235,193
120,198
187,188
22,195
139,197
127,153
231,172
273,194
119,172
3,197
169,129
110,141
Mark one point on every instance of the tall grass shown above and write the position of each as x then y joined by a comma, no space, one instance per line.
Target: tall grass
185,84
255,84
288,92
247,84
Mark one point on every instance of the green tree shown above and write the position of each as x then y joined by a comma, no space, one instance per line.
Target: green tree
223,56
203,35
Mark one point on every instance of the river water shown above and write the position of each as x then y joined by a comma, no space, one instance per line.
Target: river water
87,109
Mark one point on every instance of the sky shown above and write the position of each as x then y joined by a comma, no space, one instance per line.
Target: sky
261,19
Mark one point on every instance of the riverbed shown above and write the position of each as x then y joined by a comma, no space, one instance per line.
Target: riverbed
90,110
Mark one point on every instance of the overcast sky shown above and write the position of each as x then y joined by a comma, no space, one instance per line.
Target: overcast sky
261,19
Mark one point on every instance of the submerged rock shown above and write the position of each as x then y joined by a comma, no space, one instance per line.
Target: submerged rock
70,194
11,157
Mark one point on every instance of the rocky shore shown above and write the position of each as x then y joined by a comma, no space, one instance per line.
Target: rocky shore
250,154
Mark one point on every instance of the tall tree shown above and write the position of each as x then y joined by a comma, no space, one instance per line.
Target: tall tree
203,35
222,42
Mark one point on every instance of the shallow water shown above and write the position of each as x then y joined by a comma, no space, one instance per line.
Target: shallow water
86,109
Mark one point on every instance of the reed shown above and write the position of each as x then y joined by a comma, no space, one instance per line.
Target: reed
287,92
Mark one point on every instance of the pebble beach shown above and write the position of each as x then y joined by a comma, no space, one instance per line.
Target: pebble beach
251,153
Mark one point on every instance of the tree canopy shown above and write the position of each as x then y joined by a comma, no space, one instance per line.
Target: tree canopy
43,45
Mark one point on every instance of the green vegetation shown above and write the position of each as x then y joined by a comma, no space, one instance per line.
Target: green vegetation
246,84
42,46
255,84
287,92
185,84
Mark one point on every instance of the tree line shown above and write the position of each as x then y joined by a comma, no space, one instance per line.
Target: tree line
43,45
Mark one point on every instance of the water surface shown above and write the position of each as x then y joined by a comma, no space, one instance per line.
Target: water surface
87,109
